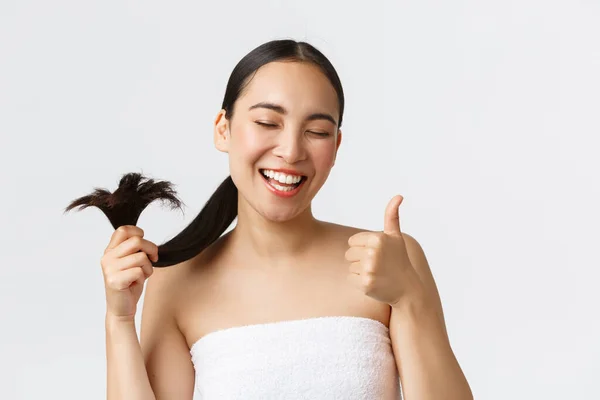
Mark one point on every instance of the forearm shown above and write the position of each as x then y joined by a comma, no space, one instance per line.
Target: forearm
426,363
127,377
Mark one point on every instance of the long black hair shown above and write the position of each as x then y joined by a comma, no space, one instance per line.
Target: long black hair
135,192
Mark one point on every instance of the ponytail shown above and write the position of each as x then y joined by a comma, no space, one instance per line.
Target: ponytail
136,192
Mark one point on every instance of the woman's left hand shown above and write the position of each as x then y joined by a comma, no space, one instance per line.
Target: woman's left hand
379,262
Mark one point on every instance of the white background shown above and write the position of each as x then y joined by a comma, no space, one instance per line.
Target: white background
483,115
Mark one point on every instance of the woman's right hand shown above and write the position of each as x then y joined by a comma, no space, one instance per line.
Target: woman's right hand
125,266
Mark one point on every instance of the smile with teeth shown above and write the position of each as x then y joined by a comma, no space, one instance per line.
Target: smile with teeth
281,181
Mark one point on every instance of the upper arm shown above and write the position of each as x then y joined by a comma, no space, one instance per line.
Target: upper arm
164,348
421,266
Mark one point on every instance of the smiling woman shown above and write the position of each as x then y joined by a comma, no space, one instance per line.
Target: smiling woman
285,305
261,122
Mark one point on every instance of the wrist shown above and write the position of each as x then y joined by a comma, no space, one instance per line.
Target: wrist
415,296
411,304
417,312
112,320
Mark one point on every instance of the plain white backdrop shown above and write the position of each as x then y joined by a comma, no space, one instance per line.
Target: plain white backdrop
484,115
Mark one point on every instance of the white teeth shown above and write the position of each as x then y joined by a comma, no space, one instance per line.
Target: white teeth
282,188
280,177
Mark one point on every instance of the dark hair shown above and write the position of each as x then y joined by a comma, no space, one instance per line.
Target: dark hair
135,192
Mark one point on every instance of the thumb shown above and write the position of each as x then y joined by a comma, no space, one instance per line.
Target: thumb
391,223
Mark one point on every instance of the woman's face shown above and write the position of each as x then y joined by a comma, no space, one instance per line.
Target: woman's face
285,119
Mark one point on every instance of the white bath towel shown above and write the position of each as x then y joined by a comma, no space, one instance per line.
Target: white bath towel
345,357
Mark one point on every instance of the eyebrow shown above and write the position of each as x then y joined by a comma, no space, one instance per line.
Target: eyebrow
279,109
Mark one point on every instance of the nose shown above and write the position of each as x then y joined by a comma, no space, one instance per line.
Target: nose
290,146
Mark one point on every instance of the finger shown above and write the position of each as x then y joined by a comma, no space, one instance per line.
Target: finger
140,281
360,239
135,244
123,279
355,268
355,253
121,234
132,261
391,223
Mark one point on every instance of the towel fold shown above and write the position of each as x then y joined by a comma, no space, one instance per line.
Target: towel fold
340,357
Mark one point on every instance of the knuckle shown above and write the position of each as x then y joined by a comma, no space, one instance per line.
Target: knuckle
368,281
377,239
146,266
104,261
130,230
137,241
112,281
139,258
140,274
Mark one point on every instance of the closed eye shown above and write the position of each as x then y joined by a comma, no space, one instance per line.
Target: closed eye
265,124
323,134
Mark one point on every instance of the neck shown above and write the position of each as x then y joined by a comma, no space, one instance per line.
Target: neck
274,242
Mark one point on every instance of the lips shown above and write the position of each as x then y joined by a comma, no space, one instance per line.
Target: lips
269,182
284,171
302,177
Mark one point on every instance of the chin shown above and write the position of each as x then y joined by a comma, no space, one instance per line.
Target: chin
280,216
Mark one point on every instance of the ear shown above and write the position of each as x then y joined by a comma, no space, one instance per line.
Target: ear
221,132
337,145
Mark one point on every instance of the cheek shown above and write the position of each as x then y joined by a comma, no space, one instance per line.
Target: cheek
324,155
246,144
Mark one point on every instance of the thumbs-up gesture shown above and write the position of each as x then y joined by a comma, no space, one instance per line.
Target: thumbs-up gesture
379,262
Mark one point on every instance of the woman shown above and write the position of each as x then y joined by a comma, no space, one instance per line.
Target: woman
284,305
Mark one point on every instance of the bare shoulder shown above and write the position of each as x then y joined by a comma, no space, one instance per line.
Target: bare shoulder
416,255
165,290
414,249
420,264
176,277
163,340
337,236
163,345
166,286
343,232
338,232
